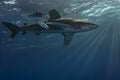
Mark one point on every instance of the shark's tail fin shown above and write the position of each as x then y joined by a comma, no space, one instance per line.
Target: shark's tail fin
12,27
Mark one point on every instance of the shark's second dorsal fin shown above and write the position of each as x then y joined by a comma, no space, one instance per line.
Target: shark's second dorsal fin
67,38
54,15
25,24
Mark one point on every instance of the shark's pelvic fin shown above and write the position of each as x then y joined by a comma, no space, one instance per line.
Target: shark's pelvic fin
24,32
37,33
12,27
54,15
67,38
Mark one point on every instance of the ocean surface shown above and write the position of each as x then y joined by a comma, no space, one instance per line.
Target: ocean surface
92,55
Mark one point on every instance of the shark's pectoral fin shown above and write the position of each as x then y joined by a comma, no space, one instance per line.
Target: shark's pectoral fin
67,38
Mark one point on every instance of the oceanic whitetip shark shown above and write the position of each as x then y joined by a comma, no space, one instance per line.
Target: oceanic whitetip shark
56,24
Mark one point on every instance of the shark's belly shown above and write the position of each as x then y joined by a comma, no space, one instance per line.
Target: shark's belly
58,31
62,31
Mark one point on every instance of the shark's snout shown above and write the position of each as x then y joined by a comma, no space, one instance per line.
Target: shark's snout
88,27
94,26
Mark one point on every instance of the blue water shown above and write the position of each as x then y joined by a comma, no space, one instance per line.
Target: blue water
92,55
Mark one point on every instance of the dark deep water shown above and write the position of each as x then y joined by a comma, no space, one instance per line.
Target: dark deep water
92,55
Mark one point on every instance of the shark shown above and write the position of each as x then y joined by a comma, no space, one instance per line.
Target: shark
55,24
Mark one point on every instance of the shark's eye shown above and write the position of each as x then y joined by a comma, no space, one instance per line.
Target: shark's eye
80,27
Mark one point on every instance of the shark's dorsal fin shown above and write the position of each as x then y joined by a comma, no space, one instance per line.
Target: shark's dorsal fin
67,38
53,15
